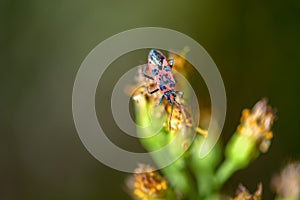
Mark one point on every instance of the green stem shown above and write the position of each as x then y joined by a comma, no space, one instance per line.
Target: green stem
176,172
179,177
225,171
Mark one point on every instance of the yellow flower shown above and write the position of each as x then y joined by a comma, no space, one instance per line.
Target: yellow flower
148,183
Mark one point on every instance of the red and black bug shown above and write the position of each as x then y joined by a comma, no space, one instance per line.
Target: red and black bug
161,72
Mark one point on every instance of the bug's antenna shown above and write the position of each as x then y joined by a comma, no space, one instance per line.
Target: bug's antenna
170,128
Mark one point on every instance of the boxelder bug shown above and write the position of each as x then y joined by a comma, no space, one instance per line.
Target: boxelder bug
161,72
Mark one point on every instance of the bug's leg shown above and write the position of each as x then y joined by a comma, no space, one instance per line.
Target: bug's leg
174,94
153,91
171,62
146,75
170,127
180,106
177,102
162,97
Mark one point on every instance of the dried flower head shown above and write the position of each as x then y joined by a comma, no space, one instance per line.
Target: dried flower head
148,183
139,91
287,183
243,194
257,124
180,115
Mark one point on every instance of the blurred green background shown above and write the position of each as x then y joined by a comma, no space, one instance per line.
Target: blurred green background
255,44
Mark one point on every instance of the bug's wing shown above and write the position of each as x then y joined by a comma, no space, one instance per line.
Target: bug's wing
152,68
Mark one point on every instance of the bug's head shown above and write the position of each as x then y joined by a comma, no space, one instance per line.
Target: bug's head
156,57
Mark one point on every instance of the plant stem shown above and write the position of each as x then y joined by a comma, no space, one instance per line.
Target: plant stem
225,171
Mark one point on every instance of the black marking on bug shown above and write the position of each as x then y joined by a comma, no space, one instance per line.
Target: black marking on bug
165,79
167,68
155,72
162,87
172,84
